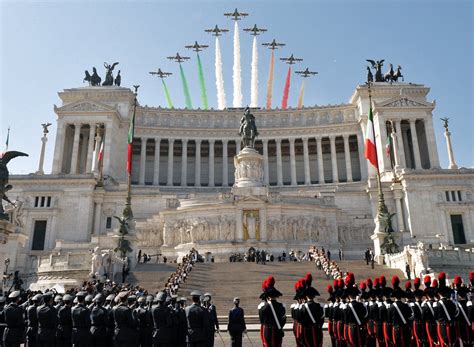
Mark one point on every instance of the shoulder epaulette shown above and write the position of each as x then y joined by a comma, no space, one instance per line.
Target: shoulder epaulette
260,305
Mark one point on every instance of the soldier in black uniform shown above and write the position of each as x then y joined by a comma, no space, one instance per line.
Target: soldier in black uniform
47,321
329,314
295,311
144,323
400,317
236,326
64,331
162,322
3,325
109,331
446,314
125,325
197,321
272,315
182,323
99,322
81,322
372,309
58,301
32,321
13,334
214,322
311,317
464,324
355,318
418,329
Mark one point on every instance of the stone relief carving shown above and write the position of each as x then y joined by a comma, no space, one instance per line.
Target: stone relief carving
404,102
87,106
302,228
348,233
248,170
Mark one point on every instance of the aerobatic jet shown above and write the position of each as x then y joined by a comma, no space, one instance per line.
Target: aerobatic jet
236,14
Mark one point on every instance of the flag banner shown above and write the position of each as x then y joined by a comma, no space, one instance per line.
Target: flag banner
388,146
131,132
370,147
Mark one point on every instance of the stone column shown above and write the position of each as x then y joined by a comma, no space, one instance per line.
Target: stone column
398,195
184,163
393,135
414,140
263,225
347,156
225,164
319,148
59,147
197,176
401,147
239,228
75,148
90,149
107,148
44,139
293,162
266,174
307,172
431,142
279,163
98,215
211,163
169,180
335,174
452,163
156,166
141,180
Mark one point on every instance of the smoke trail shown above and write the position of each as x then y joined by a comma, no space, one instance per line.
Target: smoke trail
167,94
270,81
286,91
254,81
237,70
300,98
219,78
202,83
187,97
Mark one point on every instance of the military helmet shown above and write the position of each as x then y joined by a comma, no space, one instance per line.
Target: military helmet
58,298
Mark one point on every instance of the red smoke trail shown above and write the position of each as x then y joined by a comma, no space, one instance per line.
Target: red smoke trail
286,91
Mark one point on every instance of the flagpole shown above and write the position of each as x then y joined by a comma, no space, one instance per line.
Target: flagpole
382,208
8,139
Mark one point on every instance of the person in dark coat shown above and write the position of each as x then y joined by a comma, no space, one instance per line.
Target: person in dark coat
81,322
213,321
446,314
236,326
197,321
399,316
3,325
182,328
125,325
47,321
99,322
162,322
312,317
32,321
109,332
13,334
144,323
64,330
272,315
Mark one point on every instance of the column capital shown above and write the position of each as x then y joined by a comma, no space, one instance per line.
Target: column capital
184,141
305,140
198,141
278,141
292,140
212,141
412,120
265,141
332,137
171,140
318,138
225,142
144,138
345,136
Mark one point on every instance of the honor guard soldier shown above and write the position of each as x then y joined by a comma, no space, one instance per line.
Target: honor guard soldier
273,315
88,301
400,316
419,327
64,330
81,322
355,315
464,324
109,332
125,328
236,326
13,334
182,323
32,321
47,321
446,314
372,312
198,322
431,328
3,325
144,323
99,322
295,312
162,322
213,316
58,302
328,313
339,307
312,316
383,311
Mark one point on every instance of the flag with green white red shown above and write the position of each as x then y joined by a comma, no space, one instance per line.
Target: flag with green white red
370,147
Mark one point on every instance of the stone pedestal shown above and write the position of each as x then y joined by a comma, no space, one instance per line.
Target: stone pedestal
378,238
6,228
249,174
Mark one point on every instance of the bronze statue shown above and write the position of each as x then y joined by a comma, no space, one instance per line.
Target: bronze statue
45,127
118,79
398,74
388,77
4,175
370,77
94,79
248,129
377,66
446,121
123,243
109,77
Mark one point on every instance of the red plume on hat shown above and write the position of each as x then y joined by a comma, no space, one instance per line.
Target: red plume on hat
369,283
417,283
395,282
376,282
335,283
265,284
347,281
427,280
434,284
383,281
363,285
471,277
457,281
351,277
442,275
271,281
329,289
308,279
408,285
340,282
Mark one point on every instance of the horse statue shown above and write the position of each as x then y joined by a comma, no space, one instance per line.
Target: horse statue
4,175
109,77
388,77
377,66
94,79
248,129
398,74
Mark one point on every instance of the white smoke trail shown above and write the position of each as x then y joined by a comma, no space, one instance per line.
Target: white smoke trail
219,78
237,102
254,80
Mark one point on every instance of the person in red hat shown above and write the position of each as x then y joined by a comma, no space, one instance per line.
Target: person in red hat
429,313
339,314
312,316
463,322
399,316
418,328
372,309
355,317
296,312
272,315
446,314
329,314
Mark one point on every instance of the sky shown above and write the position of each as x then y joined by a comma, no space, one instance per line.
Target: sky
46,46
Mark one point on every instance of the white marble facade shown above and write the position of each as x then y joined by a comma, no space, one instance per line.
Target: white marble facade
316,185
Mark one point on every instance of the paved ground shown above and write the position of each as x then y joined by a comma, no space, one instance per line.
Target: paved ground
288,340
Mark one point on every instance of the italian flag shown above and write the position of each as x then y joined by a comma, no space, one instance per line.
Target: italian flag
370,148
388,146
131,131
101,151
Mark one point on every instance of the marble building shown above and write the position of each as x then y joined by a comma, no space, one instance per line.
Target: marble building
314,186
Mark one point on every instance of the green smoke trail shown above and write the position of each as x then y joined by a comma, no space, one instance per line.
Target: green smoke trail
185,88
167,94
203,84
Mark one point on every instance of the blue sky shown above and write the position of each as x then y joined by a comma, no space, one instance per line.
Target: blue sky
46,46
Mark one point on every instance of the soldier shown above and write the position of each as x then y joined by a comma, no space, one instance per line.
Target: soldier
236,326
47,321
197,321
418,330
109,331
88,301
429,313
338,314
81,322
182,323
295,312
64,331
13,334
162,322
125,332
464,324
99,322
3,325
312,316
213,317
446,313
144,323
355,316
384,305
399,315
58,301
32,324
372,312
329,314
272,316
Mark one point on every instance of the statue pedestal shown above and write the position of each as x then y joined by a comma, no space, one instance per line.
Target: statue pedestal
378,237
248,165
6,228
